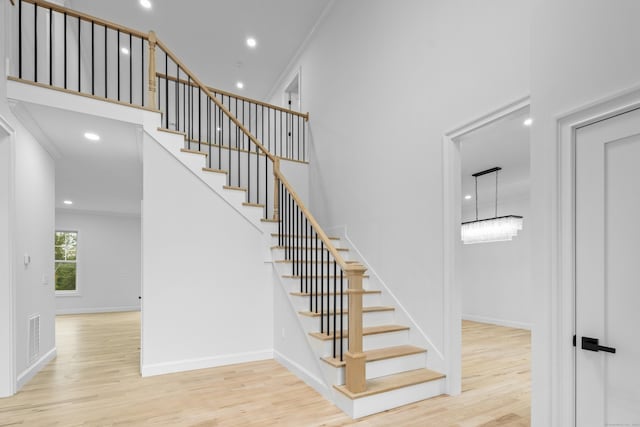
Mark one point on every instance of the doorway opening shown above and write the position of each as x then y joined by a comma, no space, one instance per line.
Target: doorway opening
292,93
479,277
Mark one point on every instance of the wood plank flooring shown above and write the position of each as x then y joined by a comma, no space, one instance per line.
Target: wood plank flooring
95,381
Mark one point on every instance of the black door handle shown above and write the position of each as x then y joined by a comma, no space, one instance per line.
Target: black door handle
591,344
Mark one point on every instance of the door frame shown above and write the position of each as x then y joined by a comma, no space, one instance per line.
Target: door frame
562,323
451,193
8,133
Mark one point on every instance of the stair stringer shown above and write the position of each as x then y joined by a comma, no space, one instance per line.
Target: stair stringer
417,336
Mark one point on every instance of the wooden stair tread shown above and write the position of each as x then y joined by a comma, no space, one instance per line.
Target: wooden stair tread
371,330
253,205
175,132
289,261
297,235
229,187
275,221
380,354
371,309
306,294
215,170
186,150
309,248
392,382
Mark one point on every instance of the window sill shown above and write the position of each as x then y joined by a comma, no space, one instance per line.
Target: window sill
67,293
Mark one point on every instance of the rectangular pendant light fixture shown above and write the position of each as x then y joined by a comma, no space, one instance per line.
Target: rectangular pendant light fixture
496,229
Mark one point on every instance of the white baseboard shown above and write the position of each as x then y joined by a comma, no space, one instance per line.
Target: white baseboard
204,362
32,370
499,322
311,380
96,310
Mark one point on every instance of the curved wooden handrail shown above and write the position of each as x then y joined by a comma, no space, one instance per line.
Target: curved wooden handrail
84,16
205,89
314,224
235,95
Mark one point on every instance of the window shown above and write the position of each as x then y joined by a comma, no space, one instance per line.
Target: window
66,247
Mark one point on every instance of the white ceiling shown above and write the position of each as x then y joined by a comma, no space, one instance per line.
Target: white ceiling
503,143
104,176
209,35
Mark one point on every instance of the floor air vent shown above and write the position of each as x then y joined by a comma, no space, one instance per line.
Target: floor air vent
34,338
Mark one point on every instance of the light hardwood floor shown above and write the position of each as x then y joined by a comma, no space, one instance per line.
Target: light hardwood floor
95,381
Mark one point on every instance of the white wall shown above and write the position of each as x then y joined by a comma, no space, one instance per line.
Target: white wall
109,270
32,217
495,277
6,282
383,81
581,51
207,297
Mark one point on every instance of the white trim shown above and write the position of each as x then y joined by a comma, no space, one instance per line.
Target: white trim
92,310
11,134
451,231
98,213
153,369
296,57
32,370
561,375
500,322
311,380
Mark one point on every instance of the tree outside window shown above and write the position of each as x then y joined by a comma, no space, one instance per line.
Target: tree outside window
66,247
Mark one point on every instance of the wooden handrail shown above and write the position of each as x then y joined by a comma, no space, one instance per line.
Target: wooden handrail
314,224
205,89
235,95
84,16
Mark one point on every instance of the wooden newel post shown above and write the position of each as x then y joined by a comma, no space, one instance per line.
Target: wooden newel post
276,190
152,70
355,359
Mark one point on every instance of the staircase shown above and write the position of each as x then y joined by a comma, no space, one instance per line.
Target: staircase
368,359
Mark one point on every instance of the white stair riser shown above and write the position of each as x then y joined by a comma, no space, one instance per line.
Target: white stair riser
369,342
173,143
302,302
215,180
384,401
379,368
279,254
375,318
256,213
299,241
293,284
234,197
195,162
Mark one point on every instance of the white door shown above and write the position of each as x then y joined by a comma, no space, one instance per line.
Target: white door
608,272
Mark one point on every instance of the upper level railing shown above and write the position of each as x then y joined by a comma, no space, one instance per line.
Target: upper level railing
67,50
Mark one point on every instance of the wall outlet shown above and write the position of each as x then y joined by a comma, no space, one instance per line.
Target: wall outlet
27,259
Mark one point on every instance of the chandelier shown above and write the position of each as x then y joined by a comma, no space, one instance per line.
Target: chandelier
496,229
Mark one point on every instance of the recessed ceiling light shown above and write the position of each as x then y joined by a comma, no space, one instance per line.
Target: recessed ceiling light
467,197
240,85
218,128
145,3
528,121
67,202
124,50
251,42
92,136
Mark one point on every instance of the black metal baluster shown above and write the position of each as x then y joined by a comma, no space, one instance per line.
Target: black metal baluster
118,51
266,187
131,70
166,91
248,154
50,47
219,131
298,137
321,287
238,141
177,86
209,161
142,74
341,317
65,50
328,280
93,59
79,56
280,134
199,119
20,38
35,43
335,307
304,147
106,91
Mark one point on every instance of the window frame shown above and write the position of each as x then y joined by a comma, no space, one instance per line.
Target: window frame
67,293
